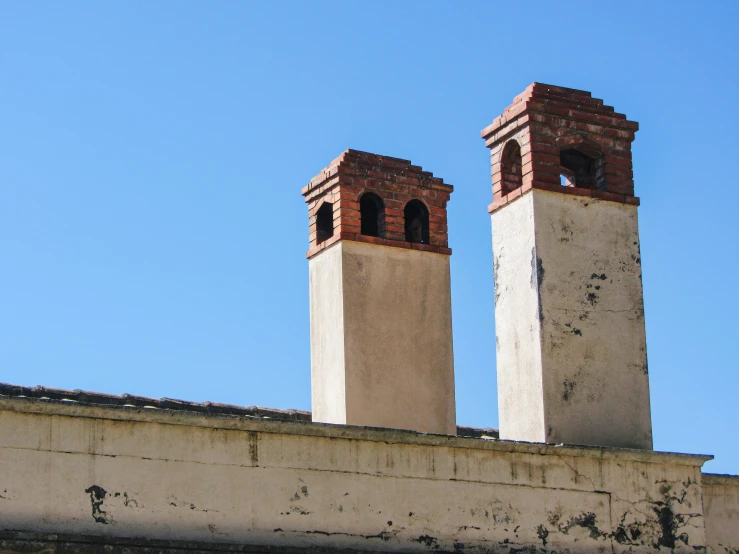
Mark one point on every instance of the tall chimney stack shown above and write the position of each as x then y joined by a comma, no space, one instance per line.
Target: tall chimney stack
569,311
380,298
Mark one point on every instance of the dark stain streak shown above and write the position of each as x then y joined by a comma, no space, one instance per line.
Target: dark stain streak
592,298
97,495
523,550
669,525
542,533
465,527
662,530
627,535
586,521
537,278
254,448
569,386
428,540
383,535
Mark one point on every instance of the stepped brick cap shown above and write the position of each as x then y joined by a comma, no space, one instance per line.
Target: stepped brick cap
549,132
399,191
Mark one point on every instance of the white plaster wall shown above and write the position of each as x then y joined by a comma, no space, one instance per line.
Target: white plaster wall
381,338
173,475
517,325
398,330
596,383
721,508
572,365
328,398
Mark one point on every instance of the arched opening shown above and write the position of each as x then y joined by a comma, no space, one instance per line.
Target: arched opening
581,170
510,167
416,222
372,215
324,222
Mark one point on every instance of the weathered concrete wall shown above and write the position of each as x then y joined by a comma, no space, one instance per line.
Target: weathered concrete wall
721,510
157,474
396,327
593,335
572,268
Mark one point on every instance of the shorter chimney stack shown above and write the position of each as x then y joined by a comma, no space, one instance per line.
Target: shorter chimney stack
380,299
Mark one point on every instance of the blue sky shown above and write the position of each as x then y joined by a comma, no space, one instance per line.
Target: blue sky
153,234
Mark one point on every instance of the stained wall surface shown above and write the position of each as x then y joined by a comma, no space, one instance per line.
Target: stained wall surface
73,469
568,278
395,328
721,508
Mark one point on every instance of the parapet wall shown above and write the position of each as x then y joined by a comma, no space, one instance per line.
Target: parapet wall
721,512
135,474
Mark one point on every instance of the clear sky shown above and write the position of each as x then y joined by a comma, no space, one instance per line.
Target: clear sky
153,234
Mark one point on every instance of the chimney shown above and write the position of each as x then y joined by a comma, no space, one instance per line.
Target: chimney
569,311
380,299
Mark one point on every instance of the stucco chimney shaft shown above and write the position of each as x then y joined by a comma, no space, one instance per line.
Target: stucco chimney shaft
569,312
380,300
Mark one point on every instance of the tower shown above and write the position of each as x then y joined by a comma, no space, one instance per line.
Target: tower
380,299
569,311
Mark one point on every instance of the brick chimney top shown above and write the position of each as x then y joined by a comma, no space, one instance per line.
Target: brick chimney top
563,140
377,199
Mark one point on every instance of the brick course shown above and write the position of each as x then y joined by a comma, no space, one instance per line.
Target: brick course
395,181
545,120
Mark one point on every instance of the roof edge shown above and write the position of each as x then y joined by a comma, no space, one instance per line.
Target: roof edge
396,436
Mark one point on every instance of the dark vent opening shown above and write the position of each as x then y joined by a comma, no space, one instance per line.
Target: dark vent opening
372,213
325,222
511,167
581,170
416,222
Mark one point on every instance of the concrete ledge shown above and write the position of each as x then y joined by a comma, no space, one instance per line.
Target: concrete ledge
720,479
391,436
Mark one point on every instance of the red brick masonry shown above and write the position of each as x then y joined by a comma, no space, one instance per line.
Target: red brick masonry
545,120
395,181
